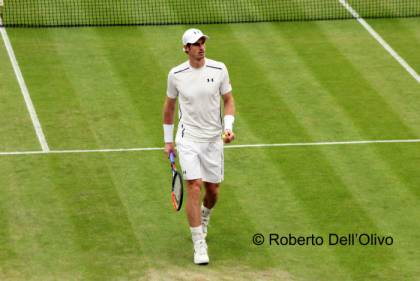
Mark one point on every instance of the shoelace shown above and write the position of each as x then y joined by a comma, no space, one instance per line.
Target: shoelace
201,248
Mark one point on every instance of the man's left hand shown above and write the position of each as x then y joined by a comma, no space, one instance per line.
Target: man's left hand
228,136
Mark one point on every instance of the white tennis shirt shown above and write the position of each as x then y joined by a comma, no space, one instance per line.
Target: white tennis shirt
198,91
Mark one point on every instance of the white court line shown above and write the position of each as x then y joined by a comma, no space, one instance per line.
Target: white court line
381,41
226,147
80,151
24,90
322,143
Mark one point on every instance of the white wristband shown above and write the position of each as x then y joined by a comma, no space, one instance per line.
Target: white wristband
168,133
228,120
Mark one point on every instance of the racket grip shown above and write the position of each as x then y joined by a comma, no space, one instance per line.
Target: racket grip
172,157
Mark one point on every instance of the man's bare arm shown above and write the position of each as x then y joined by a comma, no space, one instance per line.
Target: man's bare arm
168,119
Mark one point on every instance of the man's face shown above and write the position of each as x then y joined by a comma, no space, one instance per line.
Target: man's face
197,50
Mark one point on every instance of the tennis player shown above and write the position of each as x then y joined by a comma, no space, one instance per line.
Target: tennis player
200,84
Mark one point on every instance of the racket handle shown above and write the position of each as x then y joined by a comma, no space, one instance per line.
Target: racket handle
172,157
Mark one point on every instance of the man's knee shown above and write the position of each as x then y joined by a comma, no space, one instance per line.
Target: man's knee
194,186
212,189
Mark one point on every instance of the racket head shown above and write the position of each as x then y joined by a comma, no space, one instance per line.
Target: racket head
177,190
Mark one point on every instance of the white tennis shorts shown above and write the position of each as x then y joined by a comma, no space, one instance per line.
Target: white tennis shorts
201,160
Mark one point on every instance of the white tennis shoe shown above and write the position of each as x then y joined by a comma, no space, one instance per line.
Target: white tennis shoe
200,252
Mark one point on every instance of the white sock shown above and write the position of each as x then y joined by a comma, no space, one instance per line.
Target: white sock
205,212
197,233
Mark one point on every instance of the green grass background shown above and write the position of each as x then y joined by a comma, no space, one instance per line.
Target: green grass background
109,217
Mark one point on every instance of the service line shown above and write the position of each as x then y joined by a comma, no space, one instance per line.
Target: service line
261,145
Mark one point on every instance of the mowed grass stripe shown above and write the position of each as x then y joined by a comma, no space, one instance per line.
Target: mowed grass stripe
92,102
307,202
37,227
324,107
272,205
148,204
102,93
334,207
8,253
406,171
141,61
293,83
327,201
107,243
72,222
328,161
15,123
385,76
382,42
53,92
403,35
369,111
384,194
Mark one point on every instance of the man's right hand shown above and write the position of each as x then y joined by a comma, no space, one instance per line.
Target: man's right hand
169,147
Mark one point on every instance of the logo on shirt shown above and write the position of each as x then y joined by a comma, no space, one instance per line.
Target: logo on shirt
210,80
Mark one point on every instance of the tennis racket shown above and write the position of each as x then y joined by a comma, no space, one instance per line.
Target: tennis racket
177,184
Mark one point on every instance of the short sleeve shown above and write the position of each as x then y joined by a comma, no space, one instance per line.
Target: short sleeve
225,86
171,91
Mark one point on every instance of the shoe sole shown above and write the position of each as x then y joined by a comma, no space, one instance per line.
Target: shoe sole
202,263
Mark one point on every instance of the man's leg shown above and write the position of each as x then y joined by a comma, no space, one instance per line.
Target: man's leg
212,194
194,219
210,199
193,202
